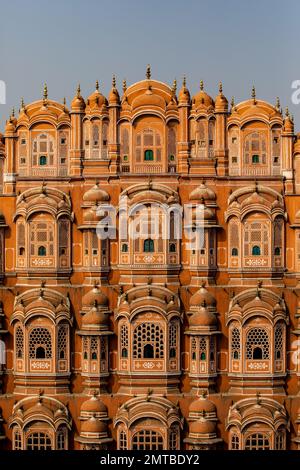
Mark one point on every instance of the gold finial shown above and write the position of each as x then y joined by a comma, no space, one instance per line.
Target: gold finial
78,90
220,88
253,93
114,81
292,118
64,103
45,92
97,85
277,106
287,113
124,85
148,72
13,112
174,87
232,102
201,85
22,103
184,81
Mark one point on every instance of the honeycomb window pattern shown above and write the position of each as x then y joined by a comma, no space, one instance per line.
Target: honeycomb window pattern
148,334
19,343
278,341
62,342
257,337
40,338
235,343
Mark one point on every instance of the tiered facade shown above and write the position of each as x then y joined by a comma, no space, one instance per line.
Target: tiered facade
148,342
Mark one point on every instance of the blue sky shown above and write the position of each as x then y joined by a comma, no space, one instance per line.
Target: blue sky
69,41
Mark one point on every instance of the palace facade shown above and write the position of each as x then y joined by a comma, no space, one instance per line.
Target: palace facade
148,342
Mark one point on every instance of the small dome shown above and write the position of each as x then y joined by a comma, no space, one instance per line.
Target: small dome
202,295
202,192
96,99
93,405
202,426
95,194
221,102
184,94
149,99
114,97
78,103
202,404
95,317
203,317
91,215
10,126
94,296
93,425
288,124
202,98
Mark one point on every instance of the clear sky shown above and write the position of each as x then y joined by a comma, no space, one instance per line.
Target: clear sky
63,42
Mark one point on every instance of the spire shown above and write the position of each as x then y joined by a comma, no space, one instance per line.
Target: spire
124,85
114,81
232,103
174,87
64,104
97,85
13,113
78,91
277,105
22,103
287,113
201,85
45,93
253,94
148,72
220,88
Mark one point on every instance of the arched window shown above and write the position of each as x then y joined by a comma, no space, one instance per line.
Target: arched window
257,441
203,349
173,438
148,245
94,348
19,335
235,343
124,341
43,150
235,442
277,251
147,334
147,439
43,160
124,248
42,251
123,441
17,440
172,248
148,351
40,344
257,344
173,341
279,330
62,342
255,147
234,252
256,250
60,439
39,441
148,155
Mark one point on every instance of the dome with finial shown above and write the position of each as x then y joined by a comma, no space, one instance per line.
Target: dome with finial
93,405
184,94
203,427
78,103
95,194
95,317
288,125
96,100
203,317
93,296
10,126
114,97
202,295
202,406
221,102
202,192
202,99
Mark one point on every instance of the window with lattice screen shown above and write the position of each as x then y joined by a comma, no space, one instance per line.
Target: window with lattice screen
279,341
235,441
43,146
257,441
173,339
235,343
256,234
124,143
42,235
62,341
147,439
19,343
171,143
278,236
202,349
211,137
124,339
233,144
257,344
40,343
64,236
234,237
94,348
63,145
148,341
276,142
21,238
122,441
148,144
255,144
201,138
